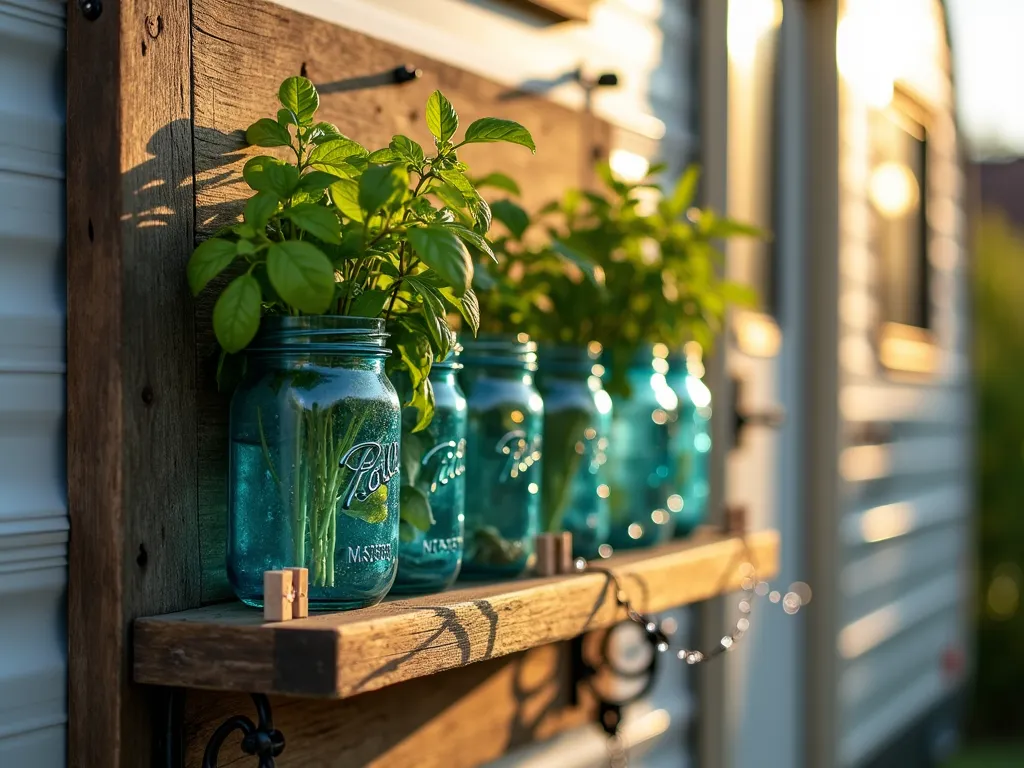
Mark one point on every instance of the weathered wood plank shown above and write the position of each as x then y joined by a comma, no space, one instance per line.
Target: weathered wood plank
336,655
131,407
268,42
457,719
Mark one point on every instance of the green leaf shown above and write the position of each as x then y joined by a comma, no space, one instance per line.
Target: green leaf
268,133
450,196
244,248
374,509
211,258
381,186
369,303
433,306
331,156
584,264
444,253
408,150
406,533
475,239
255,171
442,119
323,132
316,181
320,222
286,117
302,275
713,226
739,294
259,209
236,315
281,179
345,195
384,156
685,190
423,402
458,180
412,450
491,129
482,215
468,306
299,95
515,219
498,181
415,508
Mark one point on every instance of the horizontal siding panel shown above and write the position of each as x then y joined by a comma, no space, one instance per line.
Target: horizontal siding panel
33,502
944,593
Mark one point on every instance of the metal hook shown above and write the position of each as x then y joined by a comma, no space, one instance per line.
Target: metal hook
262,741
403,73
91,9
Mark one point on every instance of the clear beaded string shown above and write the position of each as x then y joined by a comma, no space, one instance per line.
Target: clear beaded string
659,636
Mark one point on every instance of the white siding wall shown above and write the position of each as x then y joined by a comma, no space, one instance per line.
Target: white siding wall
904,528
33,509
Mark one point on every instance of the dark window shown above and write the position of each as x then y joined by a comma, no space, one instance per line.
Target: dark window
897,187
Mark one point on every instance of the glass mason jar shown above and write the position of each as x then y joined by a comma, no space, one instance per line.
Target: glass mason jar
433,486
640,471
503,447
577,421
691,448
314,461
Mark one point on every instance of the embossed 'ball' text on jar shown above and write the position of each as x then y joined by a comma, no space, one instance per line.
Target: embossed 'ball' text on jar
433,485
503,450
314,461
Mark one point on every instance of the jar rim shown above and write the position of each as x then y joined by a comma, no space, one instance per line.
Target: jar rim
322,335
502,350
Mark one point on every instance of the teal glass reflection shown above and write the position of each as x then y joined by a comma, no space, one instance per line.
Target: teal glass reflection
433,486
640,471
503,450
314,461
577,423
691,448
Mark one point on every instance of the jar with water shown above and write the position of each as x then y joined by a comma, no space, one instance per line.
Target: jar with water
433,497
641,472
314,461
503,453
577,422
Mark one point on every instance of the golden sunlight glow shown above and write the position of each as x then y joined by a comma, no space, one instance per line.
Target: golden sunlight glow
749,21
862,57
893,190
628,166
757,334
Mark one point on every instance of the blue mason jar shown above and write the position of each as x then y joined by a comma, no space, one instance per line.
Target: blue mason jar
314,461
503,449
640,472
433,486
691,447
577,422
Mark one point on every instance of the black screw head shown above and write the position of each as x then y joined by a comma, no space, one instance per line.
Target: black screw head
91,9
406,72
607,79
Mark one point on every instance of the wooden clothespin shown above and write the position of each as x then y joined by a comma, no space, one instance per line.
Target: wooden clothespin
286,594
736,520
554,553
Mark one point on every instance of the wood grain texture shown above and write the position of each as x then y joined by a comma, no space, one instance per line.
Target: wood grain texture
457,719
131,445
336,655
263,43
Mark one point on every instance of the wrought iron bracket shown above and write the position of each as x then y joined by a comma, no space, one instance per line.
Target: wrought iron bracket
260,740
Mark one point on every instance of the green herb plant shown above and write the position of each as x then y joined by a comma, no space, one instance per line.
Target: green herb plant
625,265
338,229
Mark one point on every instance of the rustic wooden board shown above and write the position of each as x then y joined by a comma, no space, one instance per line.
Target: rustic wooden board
458,719
131,429
264,43
336,655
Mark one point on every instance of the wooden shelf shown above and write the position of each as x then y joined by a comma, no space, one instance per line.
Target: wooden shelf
336,655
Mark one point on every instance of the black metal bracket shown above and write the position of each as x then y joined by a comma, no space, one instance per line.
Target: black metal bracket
261,740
